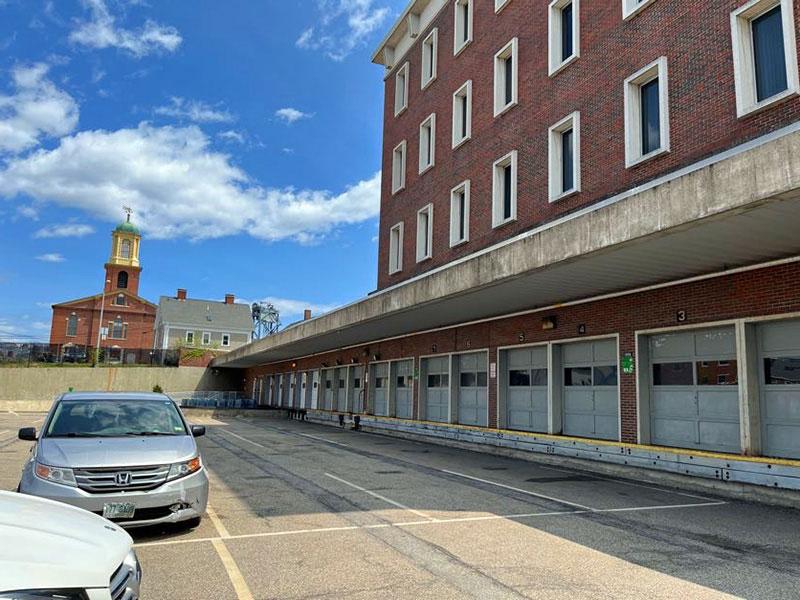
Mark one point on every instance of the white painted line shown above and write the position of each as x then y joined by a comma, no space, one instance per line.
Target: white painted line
234,574
314,437
521,491
221,529
428,521
244,439
379,497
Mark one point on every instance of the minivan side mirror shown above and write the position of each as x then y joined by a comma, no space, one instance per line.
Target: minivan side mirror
28,434
198,430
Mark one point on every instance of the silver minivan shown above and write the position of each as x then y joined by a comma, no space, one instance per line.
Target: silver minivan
130,457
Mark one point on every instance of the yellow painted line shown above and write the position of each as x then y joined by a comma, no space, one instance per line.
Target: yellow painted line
221,529
234,574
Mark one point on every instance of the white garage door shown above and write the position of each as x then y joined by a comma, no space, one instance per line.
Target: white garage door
694,394
328,388
341,389
526,389
356,389
404,371
591,394
473,391
779,350
437,389
380,388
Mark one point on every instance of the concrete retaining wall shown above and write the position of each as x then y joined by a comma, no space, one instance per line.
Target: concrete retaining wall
33,389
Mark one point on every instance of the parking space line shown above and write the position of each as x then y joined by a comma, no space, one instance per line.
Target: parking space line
244,439
379,497
234,574
314,437
221,529
521,491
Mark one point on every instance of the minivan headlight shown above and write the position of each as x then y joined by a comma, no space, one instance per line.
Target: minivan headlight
61,475
182,469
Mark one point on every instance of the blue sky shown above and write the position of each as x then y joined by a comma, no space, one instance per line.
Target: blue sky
245,134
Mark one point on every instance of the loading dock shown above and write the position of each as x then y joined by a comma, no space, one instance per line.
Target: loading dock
355,389
402,378
473,388
379,388
435,388
524,387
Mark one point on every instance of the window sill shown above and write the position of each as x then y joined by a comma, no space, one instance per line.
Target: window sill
505,109
461,142
766,103
500,224
460,49
458,243
426,168
647,157
424,259
566,194
560,67
398,190
425,84
629,14
502,5
401,111
395,272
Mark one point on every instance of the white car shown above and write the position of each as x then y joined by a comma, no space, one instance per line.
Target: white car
50,550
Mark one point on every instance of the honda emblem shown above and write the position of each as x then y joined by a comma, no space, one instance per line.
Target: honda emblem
123,478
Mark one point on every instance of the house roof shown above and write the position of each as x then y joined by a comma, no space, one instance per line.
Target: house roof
109,296
204,313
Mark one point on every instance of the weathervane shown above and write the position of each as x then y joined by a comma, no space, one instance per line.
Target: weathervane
128,211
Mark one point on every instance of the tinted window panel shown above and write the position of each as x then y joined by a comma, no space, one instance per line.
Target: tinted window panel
519,378
566,32
402,382
782,371
651,118
507,192
468,379
605,375
768,54
679,373
577,376
380,382
539,377
567,163
717,372
483,380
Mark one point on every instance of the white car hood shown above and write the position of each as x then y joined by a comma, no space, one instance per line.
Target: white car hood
48,544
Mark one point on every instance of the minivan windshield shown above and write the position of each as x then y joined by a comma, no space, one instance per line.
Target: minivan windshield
115,418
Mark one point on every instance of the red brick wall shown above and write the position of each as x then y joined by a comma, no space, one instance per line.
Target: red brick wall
694,36
112,272
139,316
771,291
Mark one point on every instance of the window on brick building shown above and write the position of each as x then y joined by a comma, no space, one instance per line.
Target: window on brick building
430,52
646,113
401,90
459,214
563,33
118,329
462,114
72,325
631,8
396,249
425,233
122,280
504,189
427,143
463,25
119,300
565,157
399,167
505,77
764,54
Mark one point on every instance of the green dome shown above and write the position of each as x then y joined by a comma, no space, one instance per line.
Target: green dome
127,227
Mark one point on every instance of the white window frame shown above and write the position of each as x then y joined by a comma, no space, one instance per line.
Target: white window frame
556,64
744,59
631,8
425,239
500,5
633,111
497,187
430,45
511,49
226,336
206,339
189,334
430,124
455,240
458,45
399,170
465,91
556,158
401,92
396,251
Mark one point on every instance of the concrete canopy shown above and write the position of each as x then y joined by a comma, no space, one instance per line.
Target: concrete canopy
738,208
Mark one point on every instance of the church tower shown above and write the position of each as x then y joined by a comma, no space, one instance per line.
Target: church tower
122,268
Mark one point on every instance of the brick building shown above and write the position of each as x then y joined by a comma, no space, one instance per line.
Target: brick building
588,237
127,318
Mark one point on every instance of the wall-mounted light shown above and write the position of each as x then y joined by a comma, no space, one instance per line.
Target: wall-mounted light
376,356
582,329
325,365
338,361
548,323
353,360
433,348
294,365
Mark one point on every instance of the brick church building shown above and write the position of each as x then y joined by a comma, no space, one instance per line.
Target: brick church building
128,318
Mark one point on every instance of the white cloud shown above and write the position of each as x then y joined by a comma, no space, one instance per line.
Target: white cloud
20,330
344,25
36,109
29,212
232,135
291,115
65,230
101,31
194,110
52,257
179,187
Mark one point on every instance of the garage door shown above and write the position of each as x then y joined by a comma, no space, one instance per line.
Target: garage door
526,389
270,391
590,395
315,377
694,394
328,389
473,390
779,350
356,389
341,390
403,376
380,389
437,389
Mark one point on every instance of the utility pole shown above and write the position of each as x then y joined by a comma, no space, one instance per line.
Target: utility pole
100,327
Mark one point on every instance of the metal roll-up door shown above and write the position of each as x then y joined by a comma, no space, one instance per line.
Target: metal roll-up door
591,390
403,375
473,390
779,370
526,389
694,392
270,390
437,389
356,389
341,389
380,389
328,389
305,390
278,390
315,378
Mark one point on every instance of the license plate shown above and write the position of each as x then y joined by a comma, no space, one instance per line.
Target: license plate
118,510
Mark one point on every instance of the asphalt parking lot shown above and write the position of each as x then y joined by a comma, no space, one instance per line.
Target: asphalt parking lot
305,511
